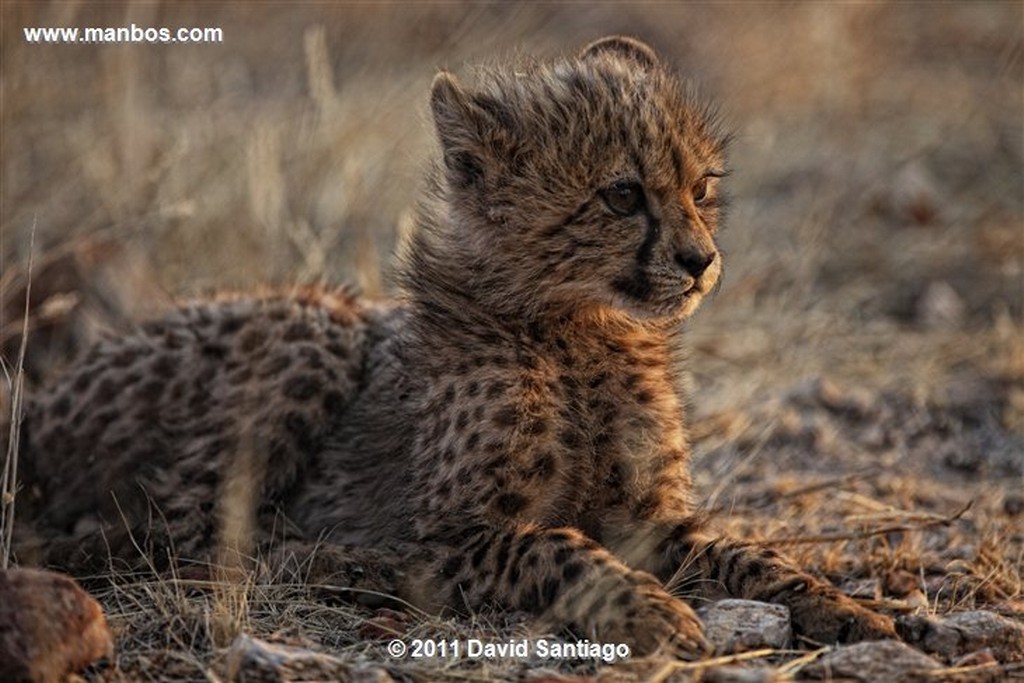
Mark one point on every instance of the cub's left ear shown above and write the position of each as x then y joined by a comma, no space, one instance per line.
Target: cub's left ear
623,47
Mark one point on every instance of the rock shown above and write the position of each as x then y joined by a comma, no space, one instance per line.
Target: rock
741,625
876,661
49,627
900,583
911,198
1013,504
254,661
855,402
962,633
940,307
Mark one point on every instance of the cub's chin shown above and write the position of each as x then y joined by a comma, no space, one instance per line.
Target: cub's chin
669,310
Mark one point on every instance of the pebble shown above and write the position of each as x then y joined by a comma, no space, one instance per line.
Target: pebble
940,307
876,661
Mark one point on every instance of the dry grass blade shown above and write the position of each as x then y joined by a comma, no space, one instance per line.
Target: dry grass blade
9,483
987,671
670,668
834,482
790,669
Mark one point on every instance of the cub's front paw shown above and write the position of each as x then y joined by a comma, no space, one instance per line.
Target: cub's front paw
651,621
823,614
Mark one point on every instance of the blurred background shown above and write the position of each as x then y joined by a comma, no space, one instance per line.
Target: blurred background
869,326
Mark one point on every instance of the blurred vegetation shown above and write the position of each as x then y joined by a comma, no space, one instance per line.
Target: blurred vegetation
878,146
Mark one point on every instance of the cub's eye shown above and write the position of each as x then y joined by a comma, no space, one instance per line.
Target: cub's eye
624,198
700,191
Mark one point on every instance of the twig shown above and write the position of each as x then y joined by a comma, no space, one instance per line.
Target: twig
9,483
881,512
800,662
765,499
956,671
862,474
859,535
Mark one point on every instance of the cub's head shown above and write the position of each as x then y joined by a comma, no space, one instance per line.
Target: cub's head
589,182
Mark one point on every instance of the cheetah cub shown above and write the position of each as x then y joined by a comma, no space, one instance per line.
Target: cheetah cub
510,433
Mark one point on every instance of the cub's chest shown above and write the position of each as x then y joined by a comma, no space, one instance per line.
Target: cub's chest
623,437
619,400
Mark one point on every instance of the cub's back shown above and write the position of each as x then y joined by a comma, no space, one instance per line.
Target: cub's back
151,423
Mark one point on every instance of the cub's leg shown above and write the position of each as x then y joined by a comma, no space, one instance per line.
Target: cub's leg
568,580
559,575
717,567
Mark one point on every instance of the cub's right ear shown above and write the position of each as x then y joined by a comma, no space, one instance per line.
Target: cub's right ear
448,102
622,46
458,128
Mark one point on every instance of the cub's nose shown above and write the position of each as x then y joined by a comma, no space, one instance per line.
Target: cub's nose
694,263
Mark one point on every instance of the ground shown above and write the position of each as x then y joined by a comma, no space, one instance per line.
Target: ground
858,378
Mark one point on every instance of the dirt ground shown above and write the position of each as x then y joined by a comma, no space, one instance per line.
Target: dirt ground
858,379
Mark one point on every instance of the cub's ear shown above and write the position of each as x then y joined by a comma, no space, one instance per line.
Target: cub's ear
623,47
458,129
449,104
471,128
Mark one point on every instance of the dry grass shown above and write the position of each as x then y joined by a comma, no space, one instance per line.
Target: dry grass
876,241
15,381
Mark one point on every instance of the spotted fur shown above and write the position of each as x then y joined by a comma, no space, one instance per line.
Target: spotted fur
511,433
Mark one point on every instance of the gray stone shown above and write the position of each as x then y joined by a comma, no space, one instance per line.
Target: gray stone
741,625
877,661
958,634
